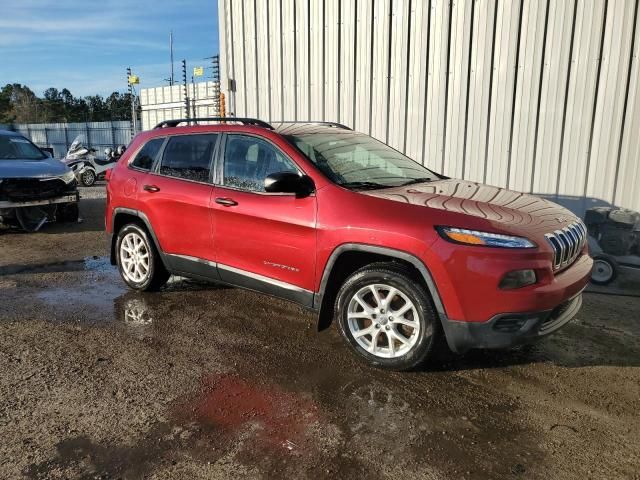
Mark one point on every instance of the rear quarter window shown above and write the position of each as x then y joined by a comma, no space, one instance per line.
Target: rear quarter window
147,154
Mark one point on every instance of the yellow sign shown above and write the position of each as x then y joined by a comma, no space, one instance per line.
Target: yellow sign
198,71
134,80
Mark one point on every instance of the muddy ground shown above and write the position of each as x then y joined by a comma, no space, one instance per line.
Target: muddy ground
204,381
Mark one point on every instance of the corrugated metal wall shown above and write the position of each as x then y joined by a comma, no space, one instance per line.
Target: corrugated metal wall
98,135
540,96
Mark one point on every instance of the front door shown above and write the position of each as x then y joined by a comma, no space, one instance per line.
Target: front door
178,194
264,241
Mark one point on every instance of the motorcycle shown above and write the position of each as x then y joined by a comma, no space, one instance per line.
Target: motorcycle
86,167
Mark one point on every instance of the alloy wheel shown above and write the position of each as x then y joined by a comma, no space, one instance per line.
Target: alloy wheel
134,257
383,320
88,178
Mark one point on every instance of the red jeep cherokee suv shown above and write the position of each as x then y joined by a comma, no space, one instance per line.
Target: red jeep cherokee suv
345,225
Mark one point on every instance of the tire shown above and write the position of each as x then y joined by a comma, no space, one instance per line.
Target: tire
68,213
88,177
149,277
605,270
418,326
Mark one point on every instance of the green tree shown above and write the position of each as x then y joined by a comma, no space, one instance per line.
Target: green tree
6,109
18,104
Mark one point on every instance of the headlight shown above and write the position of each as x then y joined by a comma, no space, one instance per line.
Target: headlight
485,239
68,177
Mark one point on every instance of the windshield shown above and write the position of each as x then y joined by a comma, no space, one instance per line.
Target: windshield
76,145
356,160
19,148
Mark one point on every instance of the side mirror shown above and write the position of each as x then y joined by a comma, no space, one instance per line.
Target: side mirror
289,182
48,153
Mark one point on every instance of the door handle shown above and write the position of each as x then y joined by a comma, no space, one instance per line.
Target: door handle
151,188
227,202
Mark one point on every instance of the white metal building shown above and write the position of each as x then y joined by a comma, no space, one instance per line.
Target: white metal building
540,96
168,102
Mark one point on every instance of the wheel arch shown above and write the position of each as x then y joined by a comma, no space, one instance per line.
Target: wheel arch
123,216
347,258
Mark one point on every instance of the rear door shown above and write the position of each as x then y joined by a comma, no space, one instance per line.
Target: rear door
177,197
264,241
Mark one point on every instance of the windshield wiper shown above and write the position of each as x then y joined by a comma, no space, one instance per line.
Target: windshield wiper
417,180
364,185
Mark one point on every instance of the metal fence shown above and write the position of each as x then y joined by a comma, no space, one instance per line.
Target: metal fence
59,136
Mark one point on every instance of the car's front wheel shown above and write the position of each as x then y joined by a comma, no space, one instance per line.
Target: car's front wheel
387,317
138,261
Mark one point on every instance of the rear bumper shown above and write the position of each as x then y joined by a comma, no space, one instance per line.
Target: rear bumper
509,329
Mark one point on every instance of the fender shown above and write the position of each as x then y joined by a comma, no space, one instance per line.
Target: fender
142,216
390,252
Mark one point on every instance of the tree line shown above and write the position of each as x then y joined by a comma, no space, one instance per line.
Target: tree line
19,104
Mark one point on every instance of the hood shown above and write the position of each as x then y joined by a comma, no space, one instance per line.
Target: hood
48,167
516,211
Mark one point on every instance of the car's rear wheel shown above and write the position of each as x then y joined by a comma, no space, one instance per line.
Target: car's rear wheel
387,317
138,261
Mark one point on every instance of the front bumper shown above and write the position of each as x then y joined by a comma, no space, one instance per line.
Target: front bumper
67,198
509,329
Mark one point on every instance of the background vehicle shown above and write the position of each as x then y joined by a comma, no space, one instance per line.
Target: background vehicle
34,188
85,165
346,226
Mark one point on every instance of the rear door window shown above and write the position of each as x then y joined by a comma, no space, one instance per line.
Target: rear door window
189,157
147,154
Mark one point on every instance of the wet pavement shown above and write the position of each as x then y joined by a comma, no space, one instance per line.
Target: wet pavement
205,381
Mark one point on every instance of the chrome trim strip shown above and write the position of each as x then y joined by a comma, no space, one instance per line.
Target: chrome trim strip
255,276
262,278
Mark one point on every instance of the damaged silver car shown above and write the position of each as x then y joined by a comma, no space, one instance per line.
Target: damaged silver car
34,188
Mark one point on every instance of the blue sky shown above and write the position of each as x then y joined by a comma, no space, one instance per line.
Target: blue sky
86,45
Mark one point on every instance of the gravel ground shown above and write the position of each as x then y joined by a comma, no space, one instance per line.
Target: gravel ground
204,381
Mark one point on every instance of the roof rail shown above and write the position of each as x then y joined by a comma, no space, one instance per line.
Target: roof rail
313,122
244,121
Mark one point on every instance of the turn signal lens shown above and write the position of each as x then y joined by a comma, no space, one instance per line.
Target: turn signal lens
474,237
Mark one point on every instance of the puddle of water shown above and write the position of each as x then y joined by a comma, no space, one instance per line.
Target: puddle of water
98,264
99,297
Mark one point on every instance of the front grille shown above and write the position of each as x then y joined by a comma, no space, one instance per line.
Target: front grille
567,244
31,189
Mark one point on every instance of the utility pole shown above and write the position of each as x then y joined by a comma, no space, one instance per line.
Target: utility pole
184,85
133,103
194,109
171,55
215,74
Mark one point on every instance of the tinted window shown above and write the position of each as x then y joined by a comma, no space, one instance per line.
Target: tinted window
189,157
249,160
145,157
